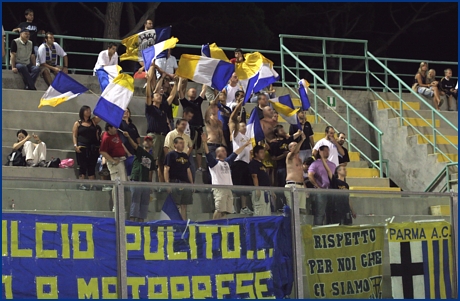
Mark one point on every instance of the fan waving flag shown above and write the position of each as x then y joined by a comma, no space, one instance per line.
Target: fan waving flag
169,211
214,52
255,73
152,53
254,129
106,74
303,86
136,43
115,99
283,105
203,70
61,90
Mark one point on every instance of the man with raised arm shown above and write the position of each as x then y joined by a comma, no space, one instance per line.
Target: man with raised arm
268,123
214,128
219,168
157,120
334,147
196,123
294,172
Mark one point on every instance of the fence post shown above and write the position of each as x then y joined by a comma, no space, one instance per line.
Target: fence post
296,245
341,74
283,80
325,61
348,129
119,203
366,61
315,100
61,59
454,227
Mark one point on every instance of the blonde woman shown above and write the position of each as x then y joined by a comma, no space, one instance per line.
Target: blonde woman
426,88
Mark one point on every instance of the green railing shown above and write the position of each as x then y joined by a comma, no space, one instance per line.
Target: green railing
435,115
349,108
444,173
323,55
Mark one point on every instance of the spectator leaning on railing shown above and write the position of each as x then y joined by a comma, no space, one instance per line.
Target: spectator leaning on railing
48,54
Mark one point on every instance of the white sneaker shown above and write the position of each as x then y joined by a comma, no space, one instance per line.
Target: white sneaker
246,210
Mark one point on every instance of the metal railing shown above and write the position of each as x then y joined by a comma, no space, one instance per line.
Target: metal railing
444,173
349,108
435,115
322,55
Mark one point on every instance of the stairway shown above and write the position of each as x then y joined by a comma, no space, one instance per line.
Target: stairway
413,162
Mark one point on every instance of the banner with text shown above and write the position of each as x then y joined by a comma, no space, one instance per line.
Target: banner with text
75,257
421,260
344,262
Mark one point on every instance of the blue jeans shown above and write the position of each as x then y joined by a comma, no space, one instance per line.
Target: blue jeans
129,165
140,198
29,75
320,209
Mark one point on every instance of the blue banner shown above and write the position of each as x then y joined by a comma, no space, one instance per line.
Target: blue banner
75,257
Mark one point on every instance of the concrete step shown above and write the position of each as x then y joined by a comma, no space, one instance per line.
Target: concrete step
357,164
369,182
364,188
442,158
39,172
426,114
50,153
395,104
439,140
446,131
419,122
362,172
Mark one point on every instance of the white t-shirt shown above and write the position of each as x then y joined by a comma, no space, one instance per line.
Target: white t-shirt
104,60
221,174
187,130
167,64
238,142
41,57
333,151
231,93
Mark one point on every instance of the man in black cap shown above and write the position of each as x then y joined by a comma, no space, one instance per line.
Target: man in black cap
23,59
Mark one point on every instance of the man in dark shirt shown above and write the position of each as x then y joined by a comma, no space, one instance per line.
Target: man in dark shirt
31,26
262,102
157,120
143,167
309,143
260,199
177,170
169,97
343,160
448,87
196,123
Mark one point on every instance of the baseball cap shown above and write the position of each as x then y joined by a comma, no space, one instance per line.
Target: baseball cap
148,137
24,30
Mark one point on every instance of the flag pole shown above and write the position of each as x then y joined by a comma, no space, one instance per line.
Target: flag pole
93,93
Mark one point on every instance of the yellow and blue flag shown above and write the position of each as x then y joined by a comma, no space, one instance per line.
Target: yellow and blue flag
255,73
254,129
214,52
106,74
284,106
137,42
61,90
421,260
303,87
152,53
115,99
203,70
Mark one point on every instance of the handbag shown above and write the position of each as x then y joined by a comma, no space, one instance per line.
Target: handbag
16,159
54,163
65,163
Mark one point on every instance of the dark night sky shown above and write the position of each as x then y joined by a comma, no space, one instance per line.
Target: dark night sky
258,25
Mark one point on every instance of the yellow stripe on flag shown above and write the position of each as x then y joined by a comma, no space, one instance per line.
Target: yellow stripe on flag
132,48
125,80
53,102
170,43
187,66
283,109
217,53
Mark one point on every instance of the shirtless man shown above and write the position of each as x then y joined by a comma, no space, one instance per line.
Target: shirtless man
214,128
268,123
294,176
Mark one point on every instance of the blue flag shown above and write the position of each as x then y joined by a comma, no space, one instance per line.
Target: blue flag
170,211
303,85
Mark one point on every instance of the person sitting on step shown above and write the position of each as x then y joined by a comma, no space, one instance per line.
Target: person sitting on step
35,153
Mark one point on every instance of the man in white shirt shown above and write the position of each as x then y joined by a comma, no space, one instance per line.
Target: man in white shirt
231,89
168,64
181,125
107,57
334,147
48,54
221,175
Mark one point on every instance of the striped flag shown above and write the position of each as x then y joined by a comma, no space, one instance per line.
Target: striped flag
214,52
203,70
254,129
137,42
61,90
169,211
115,99
421,260
284,106
303,88
152,53
106,74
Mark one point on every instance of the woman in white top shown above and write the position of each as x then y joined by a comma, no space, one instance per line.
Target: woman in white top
35,153
107,57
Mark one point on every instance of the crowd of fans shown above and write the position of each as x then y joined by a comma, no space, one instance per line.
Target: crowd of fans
174,149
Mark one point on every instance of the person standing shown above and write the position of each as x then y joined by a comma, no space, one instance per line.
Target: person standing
343,160
335,149
181,125
319,178
177,170
113,150
48,54
23,60
143,167
168,64
261,199
309,143
157,120
107,57
231,89
219,168
31,27
86,143
294,173
127,125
